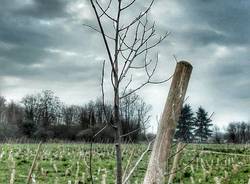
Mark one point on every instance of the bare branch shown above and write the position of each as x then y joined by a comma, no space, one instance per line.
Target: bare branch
155,44
137,51
180,150
106,8
127,6
136,130
129,82
103,35
189,163
103,101
102,85
100,131
33,163
211,115
138,17
160,82
175,58
124,69
144,84
137,163
95,29
104,12
128,163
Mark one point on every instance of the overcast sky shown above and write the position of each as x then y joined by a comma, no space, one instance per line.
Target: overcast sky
43,45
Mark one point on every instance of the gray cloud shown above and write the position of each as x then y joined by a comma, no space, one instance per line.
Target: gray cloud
45,9
229,18
44,45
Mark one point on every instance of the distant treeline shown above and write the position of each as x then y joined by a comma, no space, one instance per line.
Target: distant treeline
44,116
197,127
237,132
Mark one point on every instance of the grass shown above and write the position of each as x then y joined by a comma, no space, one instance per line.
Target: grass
65,163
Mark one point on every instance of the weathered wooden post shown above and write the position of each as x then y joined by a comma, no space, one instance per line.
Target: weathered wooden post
162,145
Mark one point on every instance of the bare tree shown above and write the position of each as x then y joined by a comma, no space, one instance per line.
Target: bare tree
14,113
44,109
2,109
134,114
50,108
217,135
31,109
70,114
127,46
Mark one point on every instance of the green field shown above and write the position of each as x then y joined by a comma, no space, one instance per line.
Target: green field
69,163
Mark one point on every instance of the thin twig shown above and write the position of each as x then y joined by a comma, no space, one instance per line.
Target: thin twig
95,29
137,163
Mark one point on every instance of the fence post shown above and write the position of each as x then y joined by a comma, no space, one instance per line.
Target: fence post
162,145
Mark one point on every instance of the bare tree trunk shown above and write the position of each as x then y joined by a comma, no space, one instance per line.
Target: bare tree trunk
177,157
162,146
118,128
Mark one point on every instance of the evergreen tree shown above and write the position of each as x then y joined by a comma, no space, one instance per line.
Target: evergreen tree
202,124
185,126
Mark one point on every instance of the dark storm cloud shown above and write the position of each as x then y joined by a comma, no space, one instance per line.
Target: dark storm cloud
231,74
65,71
46,9
20,31
23,55
29,29
228,19
22,40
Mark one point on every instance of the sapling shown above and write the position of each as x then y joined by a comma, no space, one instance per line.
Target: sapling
83,177
68,171
192,168
77,173
56,180
33,179
218,162
13,173
104,176
192,180
55,167
217,180
235,168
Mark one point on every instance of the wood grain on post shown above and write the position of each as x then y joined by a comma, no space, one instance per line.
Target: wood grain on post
162,145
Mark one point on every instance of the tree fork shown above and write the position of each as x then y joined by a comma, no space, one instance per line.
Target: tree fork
162,145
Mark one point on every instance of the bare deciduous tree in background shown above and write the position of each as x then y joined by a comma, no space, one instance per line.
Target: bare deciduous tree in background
127,45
